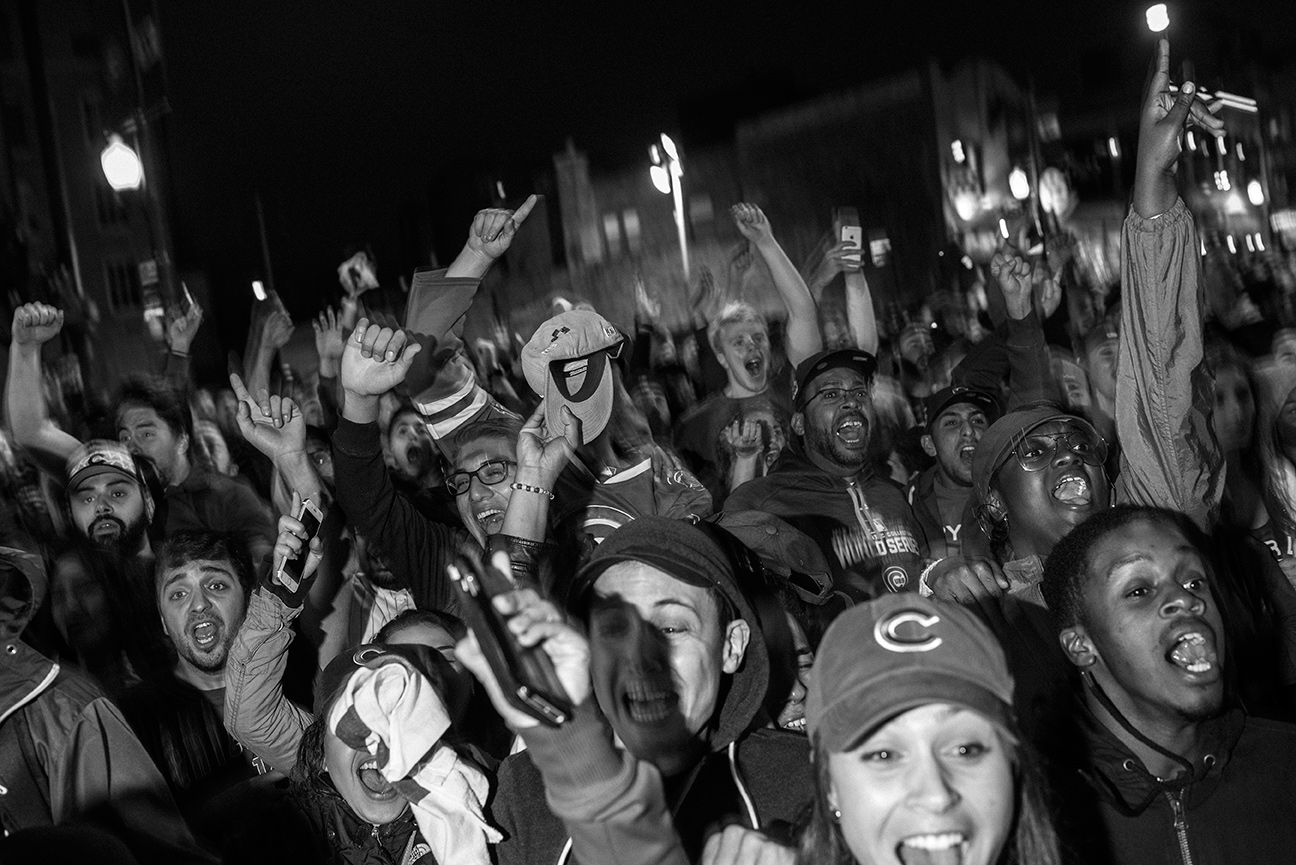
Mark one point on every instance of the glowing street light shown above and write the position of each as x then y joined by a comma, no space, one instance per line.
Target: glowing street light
121,165
667,174
1255,192
661,179
1158,17
1019,184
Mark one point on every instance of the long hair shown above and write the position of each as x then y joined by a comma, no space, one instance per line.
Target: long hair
1032,839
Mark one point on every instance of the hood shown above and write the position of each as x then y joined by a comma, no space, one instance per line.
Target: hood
23,584
791,463
694,555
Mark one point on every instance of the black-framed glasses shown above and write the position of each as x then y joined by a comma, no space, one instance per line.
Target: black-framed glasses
1035,451
837,395
489,472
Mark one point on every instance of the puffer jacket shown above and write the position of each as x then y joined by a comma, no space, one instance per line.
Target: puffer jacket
66,753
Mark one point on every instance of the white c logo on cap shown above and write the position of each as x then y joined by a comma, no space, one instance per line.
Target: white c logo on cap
885,632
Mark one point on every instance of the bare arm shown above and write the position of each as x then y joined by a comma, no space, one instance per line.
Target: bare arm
803,337
35,324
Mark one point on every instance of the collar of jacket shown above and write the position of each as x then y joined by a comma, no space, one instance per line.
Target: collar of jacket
1120,777
791,463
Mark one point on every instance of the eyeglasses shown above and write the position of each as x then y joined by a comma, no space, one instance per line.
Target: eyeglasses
836,395
489,472
1034,452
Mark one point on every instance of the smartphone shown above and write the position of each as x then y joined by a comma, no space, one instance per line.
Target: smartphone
290,572
846,223
526,676
189,301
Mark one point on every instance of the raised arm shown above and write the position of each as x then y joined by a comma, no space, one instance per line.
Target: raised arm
442,380
182,327
1029,373
257,713
803,337
376,360
1164,389
843,257
35,324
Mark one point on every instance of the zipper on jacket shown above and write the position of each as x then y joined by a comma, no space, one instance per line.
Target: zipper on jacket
1180,825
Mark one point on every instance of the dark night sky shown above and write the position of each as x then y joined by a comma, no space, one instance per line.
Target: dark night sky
346,114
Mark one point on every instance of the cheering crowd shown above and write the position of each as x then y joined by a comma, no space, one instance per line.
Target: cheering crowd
761,592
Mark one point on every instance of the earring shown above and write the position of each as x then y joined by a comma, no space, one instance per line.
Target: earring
836,815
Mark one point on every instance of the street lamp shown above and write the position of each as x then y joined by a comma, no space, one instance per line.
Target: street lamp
666,173
121,165
1158,17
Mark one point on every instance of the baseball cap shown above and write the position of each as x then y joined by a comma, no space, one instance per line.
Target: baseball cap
1004,434
1105,330
852,358
100,456
422,659
896,653
955,394
691,556
565,362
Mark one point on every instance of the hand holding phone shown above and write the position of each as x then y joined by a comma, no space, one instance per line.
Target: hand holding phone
525,674
291,568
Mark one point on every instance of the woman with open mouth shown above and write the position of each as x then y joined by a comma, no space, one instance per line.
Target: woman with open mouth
917,757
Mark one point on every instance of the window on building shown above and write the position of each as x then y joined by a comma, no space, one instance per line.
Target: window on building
633,234
612,233
124,290
109,207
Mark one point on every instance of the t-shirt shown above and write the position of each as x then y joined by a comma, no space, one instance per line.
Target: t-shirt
700,440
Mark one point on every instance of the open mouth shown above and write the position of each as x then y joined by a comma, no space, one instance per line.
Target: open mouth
1194,652
945,848
373,781
490,519
852,431
205,634
647,703
966,453
796,725
107,527
1073,489
755,366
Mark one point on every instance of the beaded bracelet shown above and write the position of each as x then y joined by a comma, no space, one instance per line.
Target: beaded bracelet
527,488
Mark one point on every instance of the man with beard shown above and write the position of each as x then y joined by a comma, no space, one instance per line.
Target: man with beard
111,506
154,423
202,584
827,488
756,378
956,418
679,668
1164,768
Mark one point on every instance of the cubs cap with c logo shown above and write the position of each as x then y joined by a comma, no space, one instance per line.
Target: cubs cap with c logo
896,653
566,362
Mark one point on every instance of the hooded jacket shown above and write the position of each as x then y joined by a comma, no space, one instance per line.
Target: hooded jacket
1237,804
66,754
864,525
759,777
